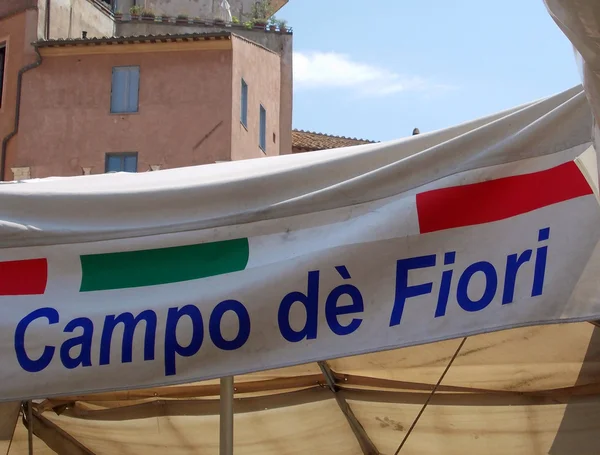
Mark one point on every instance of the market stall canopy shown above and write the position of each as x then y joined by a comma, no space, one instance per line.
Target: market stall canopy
456,246
269,263
337,211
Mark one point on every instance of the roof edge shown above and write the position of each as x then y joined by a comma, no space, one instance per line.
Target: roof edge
254,43
132,39
368,141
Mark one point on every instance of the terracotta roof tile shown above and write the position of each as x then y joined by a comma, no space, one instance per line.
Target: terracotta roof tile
305,141
134,39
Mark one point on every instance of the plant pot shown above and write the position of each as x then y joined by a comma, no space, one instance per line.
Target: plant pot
118,17
135,17
148,18
272,28
181,21
259,26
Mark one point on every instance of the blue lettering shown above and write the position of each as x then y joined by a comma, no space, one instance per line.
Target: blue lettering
442,303
214,325
129,325
28,364
310,300
491,285
332,311
403,290
540,264
84,341
172,346
513,263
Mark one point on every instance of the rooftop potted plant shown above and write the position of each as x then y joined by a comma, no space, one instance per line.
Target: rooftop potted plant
273,24
282,26
118,15
135,11
261,12
182,18
148,14
259,24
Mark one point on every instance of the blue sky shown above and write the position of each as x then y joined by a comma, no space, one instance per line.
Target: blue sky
376,70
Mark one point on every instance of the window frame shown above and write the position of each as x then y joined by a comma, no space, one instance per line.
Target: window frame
262,133
244,104
121,155
112,86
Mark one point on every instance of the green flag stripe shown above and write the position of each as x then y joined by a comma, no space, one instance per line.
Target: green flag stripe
130,269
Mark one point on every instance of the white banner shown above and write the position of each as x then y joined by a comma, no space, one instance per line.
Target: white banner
498,228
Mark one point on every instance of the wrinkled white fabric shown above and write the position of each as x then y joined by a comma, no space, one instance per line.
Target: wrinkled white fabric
101,207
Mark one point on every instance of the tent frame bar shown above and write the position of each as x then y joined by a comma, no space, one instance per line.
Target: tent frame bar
226,416
367,446
30,426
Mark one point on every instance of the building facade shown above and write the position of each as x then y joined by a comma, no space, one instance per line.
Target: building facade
241,9
176,96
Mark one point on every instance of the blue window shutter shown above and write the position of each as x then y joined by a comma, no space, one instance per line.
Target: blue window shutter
262,140
119,90
113,164
130,163
125,89
244,103
134,88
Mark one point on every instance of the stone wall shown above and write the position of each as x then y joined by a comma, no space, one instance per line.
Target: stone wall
69,18
207,9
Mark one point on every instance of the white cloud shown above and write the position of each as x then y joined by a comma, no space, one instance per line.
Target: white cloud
326,70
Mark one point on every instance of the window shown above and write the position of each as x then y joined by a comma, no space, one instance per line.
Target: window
244,104
262,138
2,65
121,162
125,89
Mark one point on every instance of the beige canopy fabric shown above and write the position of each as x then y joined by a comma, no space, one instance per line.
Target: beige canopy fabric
522,391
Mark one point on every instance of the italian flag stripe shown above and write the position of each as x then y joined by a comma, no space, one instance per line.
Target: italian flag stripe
27,277
495,200
131,269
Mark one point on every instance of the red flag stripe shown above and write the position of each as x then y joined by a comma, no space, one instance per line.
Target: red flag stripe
28,277
495,200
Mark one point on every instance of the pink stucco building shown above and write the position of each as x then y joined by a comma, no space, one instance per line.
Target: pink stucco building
95,103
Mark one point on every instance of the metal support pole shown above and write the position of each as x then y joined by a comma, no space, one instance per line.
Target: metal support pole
30,426
226,417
